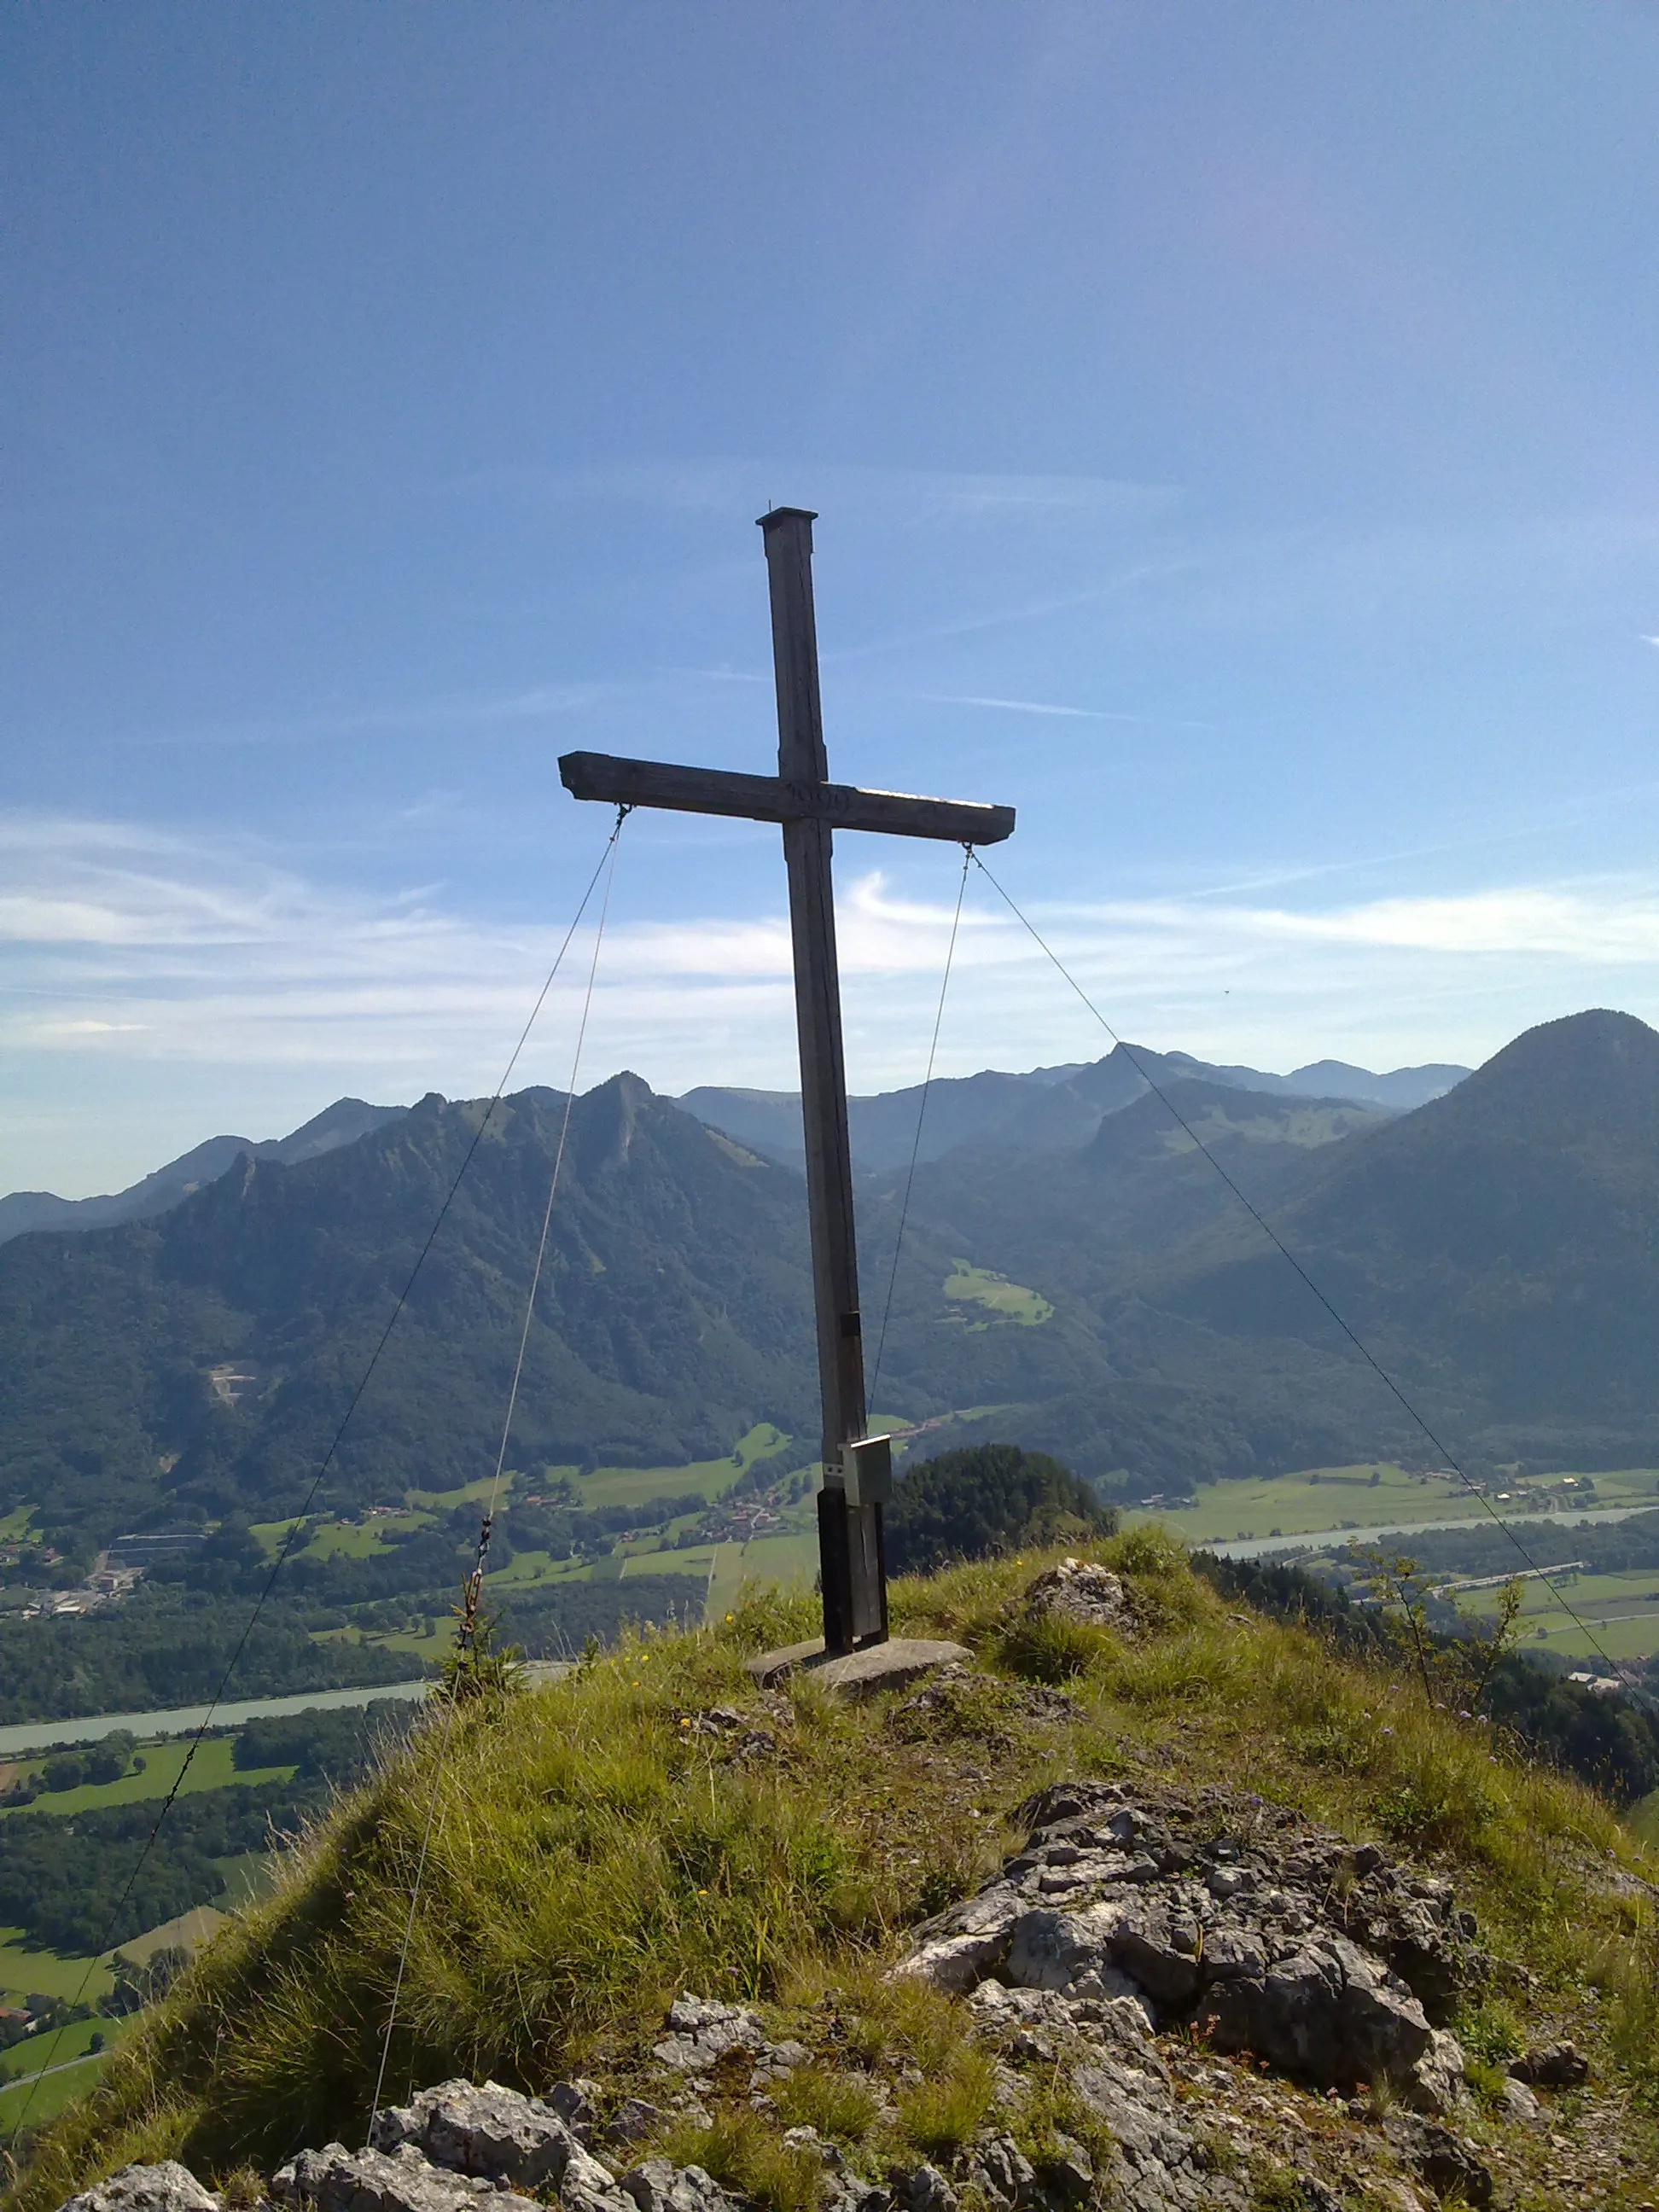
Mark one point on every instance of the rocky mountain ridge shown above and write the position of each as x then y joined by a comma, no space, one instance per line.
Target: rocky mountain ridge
1044,1110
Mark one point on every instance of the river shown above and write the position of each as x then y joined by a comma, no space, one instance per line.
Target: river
184,1720
1326,1539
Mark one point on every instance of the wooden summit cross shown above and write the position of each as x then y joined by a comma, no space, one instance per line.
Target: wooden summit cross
810,808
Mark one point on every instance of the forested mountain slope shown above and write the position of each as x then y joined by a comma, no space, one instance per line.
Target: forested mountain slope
1110,1302
1498,1249
197,1364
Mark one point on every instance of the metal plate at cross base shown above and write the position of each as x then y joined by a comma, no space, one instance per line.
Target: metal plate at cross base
810,808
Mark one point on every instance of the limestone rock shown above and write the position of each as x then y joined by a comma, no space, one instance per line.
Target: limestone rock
1326,2013
1067,2173
1006,2177
169,2187
1520,2104
1157,2167
1436,2082
809,2139
1386,2190
971,1941
702,2030
1238,1919
1090,1595
657,2185
635,2119
924,2189
1030,2021
336,2179
491,2131
851,2194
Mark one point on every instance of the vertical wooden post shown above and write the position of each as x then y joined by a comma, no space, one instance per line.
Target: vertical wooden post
849,1535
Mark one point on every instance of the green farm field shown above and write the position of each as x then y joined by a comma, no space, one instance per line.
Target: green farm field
58,2089
772,1562
701,1481
1364,1496
998,1299
1620,1611
707,1479
25,1972
55,2048
210,1769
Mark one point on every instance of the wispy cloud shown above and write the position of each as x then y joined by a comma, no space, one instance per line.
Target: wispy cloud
123,950
1045,707
389,719
916,498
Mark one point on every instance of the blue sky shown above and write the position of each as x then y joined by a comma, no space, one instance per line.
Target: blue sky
1232,427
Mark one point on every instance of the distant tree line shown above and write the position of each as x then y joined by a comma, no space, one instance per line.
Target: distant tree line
165,1647
106,1760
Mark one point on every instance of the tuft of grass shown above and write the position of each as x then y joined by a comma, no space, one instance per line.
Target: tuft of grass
1486,2080
1490,2031
744,2155
1047,1647
839,2105
1625,1969
1277,2189
1054,2114
941,2114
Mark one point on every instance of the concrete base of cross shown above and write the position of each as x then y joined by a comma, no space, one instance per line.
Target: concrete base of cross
860,1673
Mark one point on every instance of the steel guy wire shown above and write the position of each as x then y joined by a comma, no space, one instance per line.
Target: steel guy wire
467,1630
1284,1253
921,1110
328,1458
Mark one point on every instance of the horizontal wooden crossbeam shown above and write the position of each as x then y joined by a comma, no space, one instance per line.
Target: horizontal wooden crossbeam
773,799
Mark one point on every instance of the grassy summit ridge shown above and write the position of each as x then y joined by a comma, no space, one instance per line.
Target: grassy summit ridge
655,1824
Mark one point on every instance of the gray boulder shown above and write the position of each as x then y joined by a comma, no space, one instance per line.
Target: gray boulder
657,2185
169,2187
1326,2013
1003,2174
1156,2166
489,2130
1090,1595
336,2179
1520,2104
702,2031
924,2189
1451,2167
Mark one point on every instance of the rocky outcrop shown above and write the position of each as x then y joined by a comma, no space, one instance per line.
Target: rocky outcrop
702,2031
336,2179
527,2142
1078,1590
169,2187
465,2145
1239,1920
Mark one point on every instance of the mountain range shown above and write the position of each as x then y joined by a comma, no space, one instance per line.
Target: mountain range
1046,1108
342,1123
1108,1299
